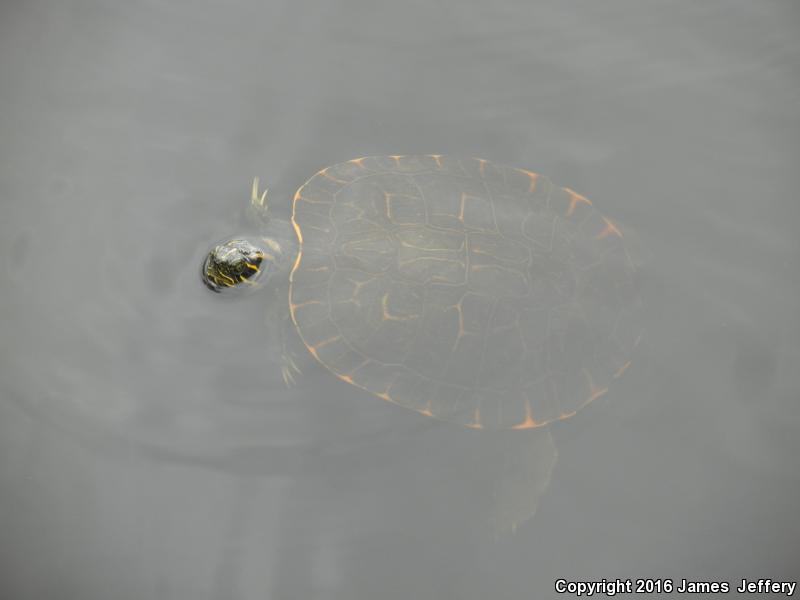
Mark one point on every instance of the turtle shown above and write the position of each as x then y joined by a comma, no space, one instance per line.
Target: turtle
468,291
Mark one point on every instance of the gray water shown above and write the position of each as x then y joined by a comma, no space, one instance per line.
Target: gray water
148,445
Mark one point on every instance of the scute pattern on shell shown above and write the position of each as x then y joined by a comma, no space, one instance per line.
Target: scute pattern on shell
465,290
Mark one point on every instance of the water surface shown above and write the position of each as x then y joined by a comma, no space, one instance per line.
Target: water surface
148,446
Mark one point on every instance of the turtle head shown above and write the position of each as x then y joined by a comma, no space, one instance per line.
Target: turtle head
241,263
233,264
248,262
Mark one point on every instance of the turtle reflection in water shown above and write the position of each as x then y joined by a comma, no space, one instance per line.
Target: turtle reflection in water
471,292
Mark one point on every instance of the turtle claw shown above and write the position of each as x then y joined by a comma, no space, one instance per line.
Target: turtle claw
259,202
290,371
294,366
288,377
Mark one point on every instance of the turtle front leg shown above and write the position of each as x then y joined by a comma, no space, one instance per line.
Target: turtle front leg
259,208
259,201
290,352
283,336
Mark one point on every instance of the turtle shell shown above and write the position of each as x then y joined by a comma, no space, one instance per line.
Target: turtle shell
465,290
